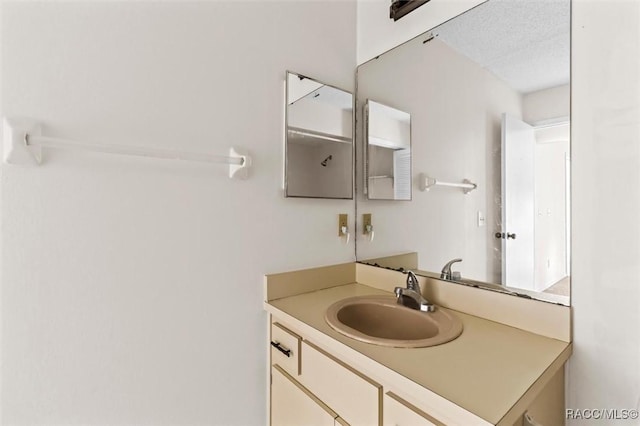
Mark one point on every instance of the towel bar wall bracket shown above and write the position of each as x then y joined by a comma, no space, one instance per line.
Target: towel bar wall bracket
24,143
16,150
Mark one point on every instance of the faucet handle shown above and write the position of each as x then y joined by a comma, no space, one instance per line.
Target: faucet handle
412,281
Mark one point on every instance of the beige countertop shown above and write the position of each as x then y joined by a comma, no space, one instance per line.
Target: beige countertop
485,371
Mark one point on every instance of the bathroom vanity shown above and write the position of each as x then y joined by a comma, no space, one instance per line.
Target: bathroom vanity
484,141
505,368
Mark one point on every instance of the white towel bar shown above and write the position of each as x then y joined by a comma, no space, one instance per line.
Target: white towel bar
427,182
23,144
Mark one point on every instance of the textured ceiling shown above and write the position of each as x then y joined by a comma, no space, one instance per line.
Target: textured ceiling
523,42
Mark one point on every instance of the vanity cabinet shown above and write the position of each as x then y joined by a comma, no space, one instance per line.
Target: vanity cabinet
399,412
316,388
502,370
353,395
293,405
311,386
285,349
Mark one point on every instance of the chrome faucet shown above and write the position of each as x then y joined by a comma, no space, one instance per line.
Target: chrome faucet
446,273
411,297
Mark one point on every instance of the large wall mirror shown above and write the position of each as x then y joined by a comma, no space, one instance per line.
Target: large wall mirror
488,95
319,139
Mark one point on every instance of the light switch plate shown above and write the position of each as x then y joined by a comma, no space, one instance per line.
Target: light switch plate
481,219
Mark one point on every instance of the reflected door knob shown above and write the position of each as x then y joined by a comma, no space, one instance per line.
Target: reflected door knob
512,236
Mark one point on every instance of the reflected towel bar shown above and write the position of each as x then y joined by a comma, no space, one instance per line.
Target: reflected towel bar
24,143
427,182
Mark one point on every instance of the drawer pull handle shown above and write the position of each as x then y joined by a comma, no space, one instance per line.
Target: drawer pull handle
276,345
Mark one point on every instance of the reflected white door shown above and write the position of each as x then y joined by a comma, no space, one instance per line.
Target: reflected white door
518,195
402,174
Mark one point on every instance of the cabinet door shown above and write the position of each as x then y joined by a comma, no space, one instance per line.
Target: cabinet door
398,412
548,408
293,405
353,395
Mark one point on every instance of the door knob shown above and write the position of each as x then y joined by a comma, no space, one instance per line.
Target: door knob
502,235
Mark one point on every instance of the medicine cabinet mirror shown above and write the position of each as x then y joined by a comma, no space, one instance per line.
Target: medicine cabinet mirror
488,92
388,152
319,139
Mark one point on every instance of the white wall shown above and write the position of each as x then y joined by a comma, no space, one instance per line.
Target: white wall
604,370
553,103
384,124
322,117
132,288
550,225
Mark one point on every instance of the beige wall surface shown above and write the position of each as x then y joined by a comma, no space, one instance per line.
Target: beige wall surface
130,286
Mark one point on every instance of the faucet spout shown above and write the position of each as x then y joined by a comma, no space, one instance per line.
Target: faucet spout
446,273
411,296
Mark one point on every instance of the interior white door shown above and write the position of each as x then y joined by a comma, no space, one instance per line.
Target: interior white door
518,203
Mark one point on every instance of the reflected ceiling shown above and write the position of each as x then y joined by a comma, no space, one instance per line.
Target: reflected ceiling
523,42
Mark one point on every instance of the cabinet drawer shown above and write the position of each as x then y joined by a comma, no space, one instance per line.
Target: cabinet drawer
355,397
398,412
285,349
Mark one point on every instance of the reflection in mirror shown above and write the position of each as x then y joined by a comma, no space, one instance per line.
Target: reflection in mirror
488,93
388,166
319,142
